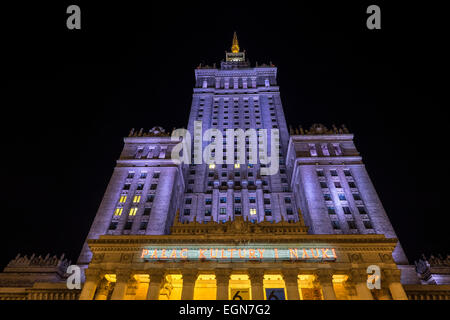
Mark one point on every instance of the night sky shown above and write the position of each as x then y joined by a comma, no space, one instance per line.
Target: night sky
71,97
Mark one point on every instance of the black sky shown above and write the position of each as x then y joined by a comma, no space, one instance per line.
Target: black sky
71,97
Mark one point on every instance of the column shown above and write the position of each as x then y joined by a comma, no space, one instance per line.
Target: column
103,290
290,278
93,277
395,286
359,277
189,278
122,278
156,281
256,279
325,277
222,282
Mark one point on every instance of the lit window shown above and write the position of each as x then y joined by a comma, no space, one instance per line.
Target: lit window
237,165
136,199
123,199
212,166
133,211
252,211
342,197
118,211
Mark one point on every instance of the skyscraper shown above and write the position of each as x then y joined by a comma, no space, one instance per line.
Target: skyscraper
222,229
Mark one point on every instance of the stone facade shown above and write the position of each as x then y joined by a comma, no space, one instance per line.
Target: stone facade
318,216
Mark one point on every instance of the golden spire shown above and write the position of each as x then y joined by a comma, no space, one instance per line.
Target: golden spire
235,45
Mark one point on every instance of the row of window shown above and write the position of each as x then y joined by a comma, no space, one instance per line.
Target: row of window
351,224
208,201
325,151
238,211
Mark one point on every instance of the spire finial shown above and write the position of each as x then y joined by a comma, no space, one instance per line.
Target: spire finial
235,45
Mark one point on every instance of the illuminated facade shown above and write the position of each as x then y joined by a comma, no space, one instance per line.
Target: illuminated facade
224,231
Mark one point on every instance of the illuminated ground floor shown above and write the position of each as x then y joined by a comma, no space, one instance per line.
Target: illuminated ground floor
301,267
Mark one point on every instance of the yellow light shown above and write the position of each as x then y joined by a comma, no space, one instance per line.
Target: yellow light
237,165
136,199
118,211
252,211
133,211
123,199
212,166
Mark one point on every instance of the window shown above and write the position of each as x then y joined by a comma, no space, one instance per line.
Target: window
333,173
346,210
289,211
192,172
237,211
237,165
188,201
212,165
208,201
337,185
224,174
143,226
126,186
123,199
133,211
362,210
320,173
312,150
367,224
136,199
113,225
128,225
187,212
156,175
352,184
335,224
237,200
118,212
327,197
208,212
130,175
150,198
252,200
140,186
287,200
331,210
223,211
342,197
351,224
356,196
153,186
252,211
268,212
147,211
325,151
337,149
347,173
143,175
191,181
323,185
223,200
266,201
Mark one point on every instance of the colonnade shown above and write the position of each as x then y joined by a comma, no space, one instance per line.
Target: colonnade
325,280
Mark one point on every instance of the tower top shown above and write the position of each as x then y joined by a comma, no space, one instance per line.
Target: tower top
235,45
235,55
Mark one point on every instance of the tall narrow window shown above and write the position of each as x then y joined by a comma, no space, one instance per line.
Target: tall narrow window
122,199
118,212
252,211
136,199
337,149
133,211
325,151
223,211
312,149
